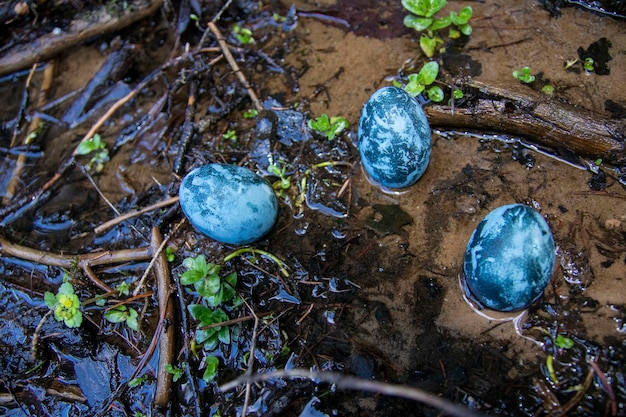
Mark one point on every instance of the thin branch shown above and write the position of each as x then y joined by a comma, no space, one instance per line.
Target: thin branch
233,65
352,383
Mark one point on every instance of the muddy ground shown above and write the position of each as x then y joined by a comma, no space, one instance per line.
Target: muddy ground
373,286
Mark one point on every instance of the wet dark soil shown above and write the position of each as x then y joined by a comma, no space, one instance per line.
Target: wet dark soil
373,286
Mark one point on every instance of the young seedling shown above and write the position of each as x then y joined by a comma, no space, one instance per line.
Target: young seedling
65,305
175,371
121,314
422,81
230,135
423,20
524,75
96,146
243,35
329,127
284,181
588,64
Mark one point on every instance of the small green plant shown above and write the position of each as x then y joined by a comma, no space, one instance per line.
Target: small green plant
423,20
135,382
215,291
422,81
588,64
284,181
176,372
121,314
243,35
524,75
329,127
96,146
170,255
250,113
563,342
547,89
230,135
65,305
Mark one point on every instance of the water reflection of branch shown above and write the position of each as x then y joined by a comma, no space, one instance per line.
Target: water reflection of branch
352,383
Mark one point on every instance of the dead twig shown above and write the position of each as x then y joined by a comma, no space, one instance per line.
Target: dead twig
546,121
83,261
352,383
93,23
233,65
123,217
167,340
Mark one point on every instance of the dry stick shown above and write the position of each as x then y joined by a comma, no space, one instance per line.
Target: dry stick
167,340
48,76
89,26
233,65
547,121
352,383
107,225
83,261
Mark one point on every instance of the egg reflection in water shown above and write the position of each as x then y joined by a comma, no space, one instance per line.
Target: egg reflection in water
509,259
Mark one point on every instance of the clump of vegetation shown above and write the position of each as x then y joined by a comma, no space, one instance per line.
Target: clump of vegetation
98,148
243,35
524,75
123,314
65,305
423,20
215,292
423,80
329,127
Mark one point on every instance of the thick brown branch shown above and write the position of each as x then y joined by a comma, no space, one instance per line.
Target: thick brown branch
47,46
544,120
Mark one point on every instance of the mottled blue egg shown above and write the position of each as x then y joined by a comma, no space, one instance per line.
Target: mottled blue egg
394,138
228,203
510,258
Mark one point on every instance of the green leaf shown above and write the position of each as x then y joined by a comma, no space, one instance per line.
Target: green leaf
547,89
66,288
224,335
169,254
435,93
211,343
123,288
426,8
428,45
75,321
215,300
429,72
202,335
214,283
50,299
417,23
564,342
441,23
415,85
131,320
457,94
466,29
136,381
200,313
466,13
210,372
117,314
191,276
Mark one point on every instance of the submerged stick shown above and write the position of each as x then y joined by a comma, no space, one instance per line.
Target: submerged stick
547,121
352,383
93,23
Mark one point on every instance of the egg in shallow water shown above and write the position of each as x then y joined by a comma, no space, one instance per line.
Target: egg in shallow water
394,138
228,203
510,258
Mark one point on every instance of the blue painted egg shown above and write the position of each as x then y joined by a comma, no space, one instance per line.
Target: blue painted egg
394,138
510,258
228,203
